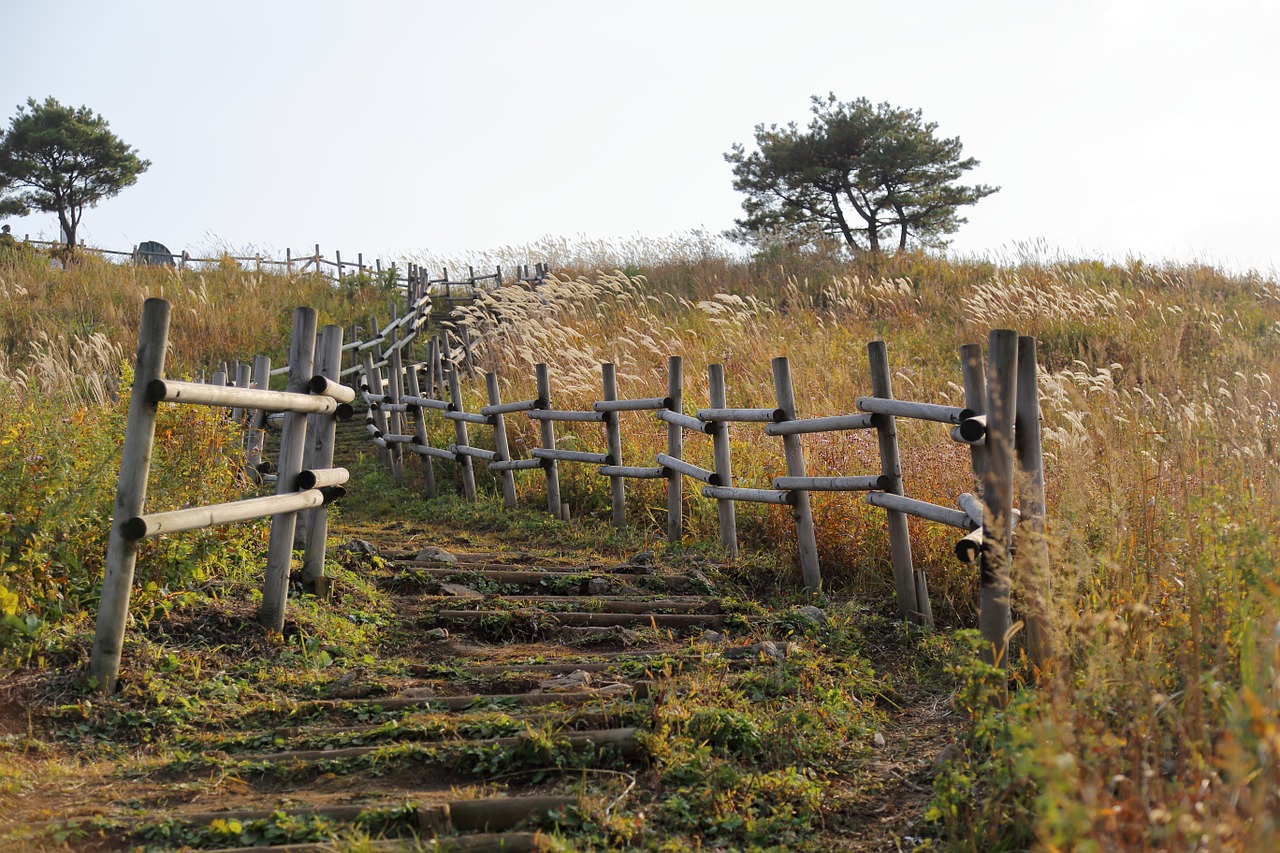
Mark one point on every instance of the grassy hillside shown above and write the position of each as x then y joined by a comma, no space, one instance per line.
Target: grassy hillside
1159,387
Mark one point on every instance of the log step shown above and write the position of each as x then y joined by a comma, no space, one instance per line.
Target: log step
602,604
519,577
462,703
598,620
494,842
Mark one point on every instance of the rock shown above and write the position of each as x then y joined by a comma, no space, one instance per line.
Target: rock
811,613
458,591
769,650
878,740
569,682
644,558
698,582
713,638
949,753
358,547
433,554
437,634
417,693
601,586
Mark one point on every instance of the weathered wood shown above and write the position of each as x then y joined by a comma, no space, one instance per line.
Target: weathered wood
598,620
489,842
645,405
1031,546
426,450
974,429
833,484
313,525
997,495
293,440
319,478
465,469
622,739
426,402
523,577
516,465
243,379
970,546
631,472
723,463
395,420
685,422
577,417
920,411
323,386
373,381
474,452
174,391
573,456
548,432
765,496
721,414
510,408
794,455
468,418
833,423
196,518
891,467
973,370
131,494
500,443
420,435
258,423
688,469
920,509
675,447
462,703
613,443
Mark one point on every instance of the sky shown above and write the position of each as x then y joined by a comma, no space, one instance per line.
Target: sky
1124,129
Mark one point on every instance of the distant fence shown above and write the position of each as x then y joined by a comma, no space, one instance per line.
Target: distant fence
999,423
449,291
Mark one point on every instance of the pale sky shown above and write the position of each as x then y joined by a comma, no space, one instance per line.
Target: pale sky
1144,128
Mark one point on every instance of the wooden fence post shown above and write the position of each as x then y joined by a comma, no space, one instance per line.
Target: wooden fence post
465,468
321,431
997,495
613,446
395,420
904,580
723,463
420,433
549,443
131,494
500,440
243,377
975,398
794,454
373,381
293,439
675,449
258,422
1032,546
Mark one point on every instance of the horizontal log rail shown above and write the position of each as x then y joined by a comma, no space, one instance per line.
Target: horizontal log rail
748,416
833,423
921,509
196,518
644,405
833,484
175,391
685,421
919,411
688,469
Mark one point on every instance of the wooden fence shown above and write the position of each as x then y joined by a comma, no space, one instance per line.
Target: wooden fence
999,423
448,291
311,404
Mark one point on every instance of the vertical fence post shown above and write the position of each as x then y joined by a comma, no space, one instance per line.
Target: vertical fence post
395,423
549,442
675,448
464,332
258,422
433,360
293,438
420,433
613,442
465,468
243,377
373,381
997,495
1032,547
288,261
975,398
791,449
500,440
438,365
337,256
321,430
904,580
131,494
724,466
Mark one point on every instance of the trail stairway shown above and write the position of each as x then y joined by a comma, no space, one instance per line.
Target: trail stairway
561,661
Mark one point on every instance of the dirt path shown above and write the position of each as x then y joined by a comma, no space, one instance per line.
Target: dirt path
513,696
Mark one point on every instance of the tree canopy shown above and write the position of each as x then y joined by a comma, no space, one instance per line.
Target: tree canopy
858,172
61,160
